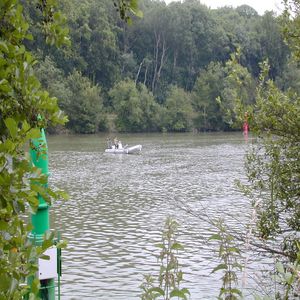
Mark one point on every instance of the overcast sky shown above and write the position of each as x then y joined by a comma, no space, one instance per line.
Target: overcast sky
259,5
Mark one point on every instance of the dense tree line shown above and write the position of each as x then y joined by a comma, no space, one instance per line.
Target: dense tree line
171,63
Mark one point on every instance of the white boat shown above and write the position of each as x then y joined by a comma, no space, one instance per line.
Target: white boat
124,150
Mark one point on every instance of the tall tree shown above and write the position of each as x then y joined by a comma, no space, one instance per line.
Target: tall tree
127,105
179,113
83,104
273,168
209,85
273,165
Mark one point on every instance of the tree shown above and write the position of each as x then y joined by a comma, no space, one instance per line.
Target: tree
272,44
78,97
22,102
238,92
273,167
209,85
289,79
151,110
126,102
290,22
83,104
178,116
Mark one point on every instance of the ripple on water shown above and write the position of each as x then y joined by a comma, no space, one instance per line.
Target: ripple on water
118,205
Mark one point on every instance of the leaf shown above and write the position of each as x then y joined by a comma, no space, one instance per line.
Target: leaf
3,46
236,291
178,293
177,246
35,286
219,267
33,133
157,290
186,291
233,249
45,257
215,236
279,267
288,278
47,244
12,127
61,245
4,283
13,286
3,225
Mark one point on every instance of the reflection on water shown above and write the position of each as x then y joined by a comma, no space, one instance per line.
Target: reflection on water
118,205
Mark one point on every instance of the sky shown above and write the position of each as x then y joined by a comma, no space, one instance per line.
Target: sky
259,5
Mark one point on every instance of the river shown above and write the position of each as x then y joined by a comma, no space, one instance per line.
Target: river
119,203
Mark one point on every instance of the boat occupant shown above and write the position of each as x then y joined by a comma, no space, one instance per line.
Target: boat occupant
116,142
109,143
120,145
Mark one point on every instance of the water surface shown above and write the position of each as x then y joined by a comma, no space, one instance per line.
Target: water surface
119,203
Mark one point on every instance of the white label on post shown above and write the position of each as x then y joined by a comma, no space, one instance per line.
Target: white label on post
48,268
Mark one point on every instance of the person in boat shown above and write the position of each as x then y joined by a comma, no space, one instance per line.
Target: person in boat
120,145
116,143
109,143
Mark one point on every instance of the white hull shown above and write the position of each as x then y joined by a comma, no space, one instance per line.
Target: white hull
127,150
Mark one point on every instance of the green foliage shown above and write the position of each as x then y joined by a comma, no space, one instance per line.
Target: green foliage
288,277
291,26
78,97
289,79
22,101
126,102
151,110
229,254
178,110
177,44
273,166
209,85
170,276
135,107
238,93
123,6
83,104
221,93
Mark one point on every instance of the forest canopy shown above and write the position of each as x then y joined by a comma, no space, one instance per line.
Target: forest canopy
179,50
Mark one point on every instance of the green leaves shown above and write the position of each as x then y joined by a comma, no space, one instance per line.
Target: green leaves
170,276
272,165
220,267
123,6
229,254
22,101
182,294
12,126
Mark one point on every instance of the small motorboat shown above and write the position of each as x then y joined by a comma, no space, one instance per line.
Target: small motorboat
124,150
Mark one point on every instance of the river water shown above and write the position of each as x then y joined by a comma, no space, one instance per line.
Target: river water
119,203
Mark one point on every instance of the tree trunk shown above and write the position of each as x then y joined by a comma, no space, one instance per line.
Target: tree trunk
164,49
158,62
156,51
139,70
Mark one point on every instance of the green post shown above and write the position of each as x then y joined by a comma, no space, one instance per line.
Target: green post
40,220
